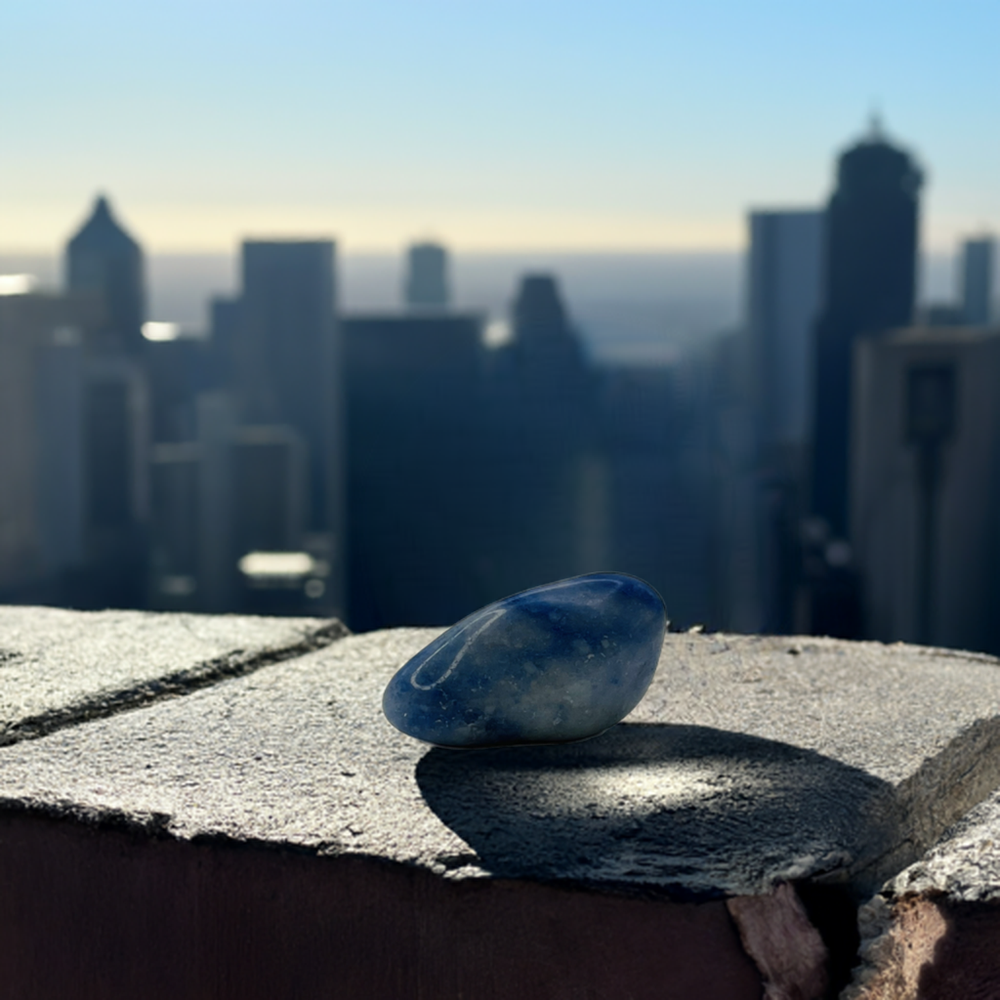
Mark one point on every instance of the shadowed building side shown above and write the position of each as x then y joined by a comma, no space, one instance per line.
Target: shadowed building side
73,456
655,522
41,487
416,466
549,482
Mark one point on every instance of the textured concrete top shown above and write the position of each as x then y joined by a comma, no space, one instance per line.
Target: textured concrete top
963,867
58,667
751,760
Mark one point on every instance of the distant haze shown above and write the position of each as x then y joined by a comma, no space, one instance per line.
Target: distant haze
638,307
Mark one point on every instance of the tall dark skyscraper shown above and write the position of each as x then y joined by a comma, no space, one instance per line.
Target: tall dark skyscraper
540,417
103,258
416,462
549,359
869,287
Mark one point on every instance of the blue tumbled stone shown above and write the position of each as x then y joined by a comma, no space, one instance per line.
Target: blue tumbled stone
552,664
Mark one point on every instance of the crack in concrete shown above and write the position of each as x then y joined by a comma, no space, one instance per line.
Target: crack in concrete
104,704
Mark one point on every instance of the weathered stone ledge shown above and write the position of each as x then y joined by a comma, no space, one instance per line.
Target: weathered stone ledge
762,788
60,668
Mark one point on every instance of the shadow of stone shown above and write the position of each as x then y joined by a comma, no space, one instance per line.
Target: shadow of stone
695,811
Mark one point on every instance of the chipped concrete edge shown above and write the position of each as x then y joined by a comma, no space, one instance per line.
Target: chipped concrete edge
898,942
945,788
105,703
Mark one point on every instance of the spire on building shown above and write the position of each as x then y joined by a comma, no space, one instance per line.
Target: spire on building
876,128
102,231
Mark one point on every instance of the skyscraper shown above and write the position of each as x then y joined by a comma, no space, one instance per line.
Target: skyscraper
540,422
416,462
427,276
41,390
115,441
104,261
103,258
926,485
656,516
784,276
283,366
285,361
548,354
977,280
869,286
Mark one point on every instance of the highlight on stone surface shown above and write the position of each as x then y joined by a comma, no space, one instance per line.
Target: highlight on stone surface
557,663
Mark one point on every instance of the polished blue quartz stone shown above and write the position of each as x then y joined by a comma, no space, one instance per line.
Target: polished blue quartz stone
556,663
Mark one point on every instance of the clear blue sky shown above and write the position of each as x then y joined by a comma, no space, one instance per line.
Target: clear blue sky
489,123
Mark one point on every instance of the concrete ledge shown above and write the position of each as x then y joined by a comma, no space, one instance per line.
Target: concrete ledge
62,667
761,786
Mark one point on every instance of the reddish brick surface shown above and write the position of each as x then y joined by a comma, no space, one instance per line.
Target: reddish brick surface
100,913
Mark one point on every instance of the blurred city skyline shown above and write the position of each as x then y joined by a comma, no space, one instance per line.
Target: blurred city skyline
404,437
486,126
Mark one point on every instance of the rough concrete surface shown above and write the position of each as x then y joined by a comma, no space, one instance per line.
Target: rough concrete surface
924,723
58,667
964,866
751,764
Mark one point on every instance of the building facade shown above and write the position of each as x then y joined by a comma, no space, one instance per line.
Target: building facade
926,485
281,361
784,280
102,258
869,286
976,279
427,282
416,466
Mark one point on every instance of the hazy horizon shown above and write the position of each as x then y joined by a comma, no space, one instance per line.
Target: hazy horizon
629,307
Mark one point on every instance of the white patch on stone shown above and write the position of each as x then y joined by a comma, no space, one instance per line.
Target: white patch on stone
470,637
